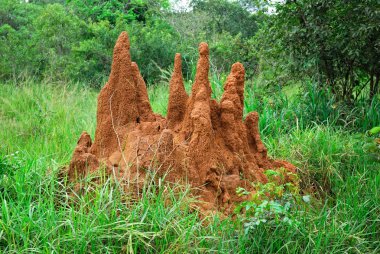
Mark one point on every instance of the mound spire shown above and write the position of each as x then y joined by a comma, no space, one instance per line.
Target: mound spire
177,95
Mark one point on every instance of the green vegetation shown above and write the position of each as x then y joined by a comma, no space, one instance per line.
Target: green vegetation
313,75
332,43
39,124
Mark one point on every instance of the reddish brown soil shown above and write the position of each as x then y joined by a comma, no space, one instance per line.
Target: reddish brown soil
202,141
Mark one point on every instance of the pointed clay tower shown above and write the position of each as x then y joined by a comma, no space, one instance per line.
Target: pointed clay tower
116,101
202,141
177,95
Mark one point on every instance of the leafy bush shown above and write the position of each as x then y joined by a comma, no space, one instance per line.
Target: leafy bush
335,43
92,56
17,51
371,142
271,203
153,46
8,165
75,41
226,50
56,31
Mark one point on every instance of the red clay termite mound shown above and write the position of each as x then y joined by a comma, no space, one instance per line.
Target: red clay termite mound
201,141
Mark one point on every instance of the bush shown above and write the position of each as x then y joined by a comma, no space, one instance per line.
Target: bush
93,54
56,31
18,54
227,49
153,47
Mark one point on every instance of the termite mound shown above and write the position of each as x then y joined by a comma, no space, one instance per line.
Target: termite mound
201,141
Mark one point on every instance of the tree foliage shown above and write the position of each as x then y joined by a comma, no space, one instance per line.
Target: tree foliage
333,43
226,16
336,43
74,40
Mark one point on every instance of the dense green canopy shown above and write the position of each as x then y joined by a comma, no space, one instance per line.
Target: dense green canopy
335,44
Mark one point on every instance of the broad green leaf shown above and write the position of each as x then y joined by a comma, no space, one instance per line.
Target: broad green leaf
375,130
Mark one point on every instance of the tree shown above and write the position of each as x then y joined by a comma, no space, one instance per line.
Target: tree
128,10
226,16
334,42
56,31
18,55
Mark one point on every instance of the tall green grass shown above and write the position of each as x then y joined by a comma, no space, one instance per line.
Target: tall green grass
39,126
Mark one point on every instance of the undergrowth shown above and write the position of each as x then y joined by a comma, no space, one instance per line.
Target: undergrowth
39,126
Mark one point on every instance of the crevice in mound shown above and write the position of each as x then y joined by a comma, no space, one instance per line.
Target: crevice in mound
202,141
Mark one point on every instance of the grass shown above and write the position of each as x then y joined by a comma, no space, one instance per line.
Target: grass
39,125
